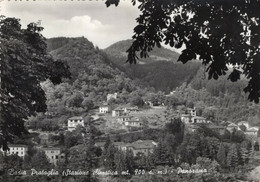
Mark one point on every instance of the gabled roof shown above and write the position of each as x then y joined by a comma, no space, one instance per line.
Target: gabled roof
126,116
186,115
253,129
76,118
242,122
104,104
17,145
199,117
52,148
143,144
118,109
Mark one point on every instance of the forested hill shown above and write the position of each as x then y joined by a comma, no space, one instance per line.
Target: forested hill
118,50
93,77
160,70
219,99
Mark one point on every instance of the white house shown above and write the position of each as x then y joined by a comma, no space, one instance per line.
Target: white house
245,123
104,108
18,149
53,154
110,96
186,118
133,123
191,111
198,119
121,119
118,112
74,122
252,132
232,126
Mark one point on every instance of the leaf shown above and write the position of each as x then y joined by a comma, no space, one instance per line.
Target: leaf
186,56
139,29
111,2
235,75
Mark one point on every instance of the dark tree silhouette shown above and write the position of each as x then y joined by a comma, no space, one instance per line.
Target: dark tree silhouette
25,63
220,33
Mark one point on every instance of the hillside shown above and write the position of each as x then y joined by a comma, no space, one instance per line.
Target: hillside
93,77
160,70
118,50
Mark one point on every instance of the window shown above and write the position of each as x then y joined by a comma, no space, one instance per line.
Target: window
22,153
57,157
52,157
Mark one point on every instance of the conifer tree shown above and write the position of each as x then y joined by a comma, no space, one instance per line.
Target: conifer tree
119,161
221,155
232,157
129,161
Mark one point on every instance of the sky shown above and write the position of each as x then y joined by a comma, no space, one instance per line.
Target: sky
92,19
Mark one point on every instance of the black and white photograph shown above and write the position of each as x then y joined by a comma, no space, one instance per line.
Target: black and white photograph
129,90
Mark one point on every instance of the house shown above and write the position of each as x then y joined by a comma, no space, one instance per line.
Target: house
232,126
73,122
118,112
130,109
245,123
121,145
110,96
18,149
143,147
191,111
122,119
138,147
252,132
133,123
53,154
198,119
186,118
104,108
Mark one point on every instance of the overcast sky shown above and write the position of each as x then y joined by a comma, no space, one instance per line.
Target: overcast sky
91,19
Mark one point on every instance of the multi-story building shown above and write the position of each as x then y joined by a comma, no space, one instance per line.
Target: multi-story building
142,147
53,154
191,111
198,119
104,108
133,123
74,122
122,119
118,112
16,149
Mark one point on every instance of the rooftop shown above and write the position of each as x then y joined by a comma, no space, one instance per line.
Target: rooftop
52,148
76,118
252,130
17,145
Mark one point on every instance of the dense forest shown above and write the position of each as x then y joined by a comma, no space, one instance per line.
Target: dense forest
160,70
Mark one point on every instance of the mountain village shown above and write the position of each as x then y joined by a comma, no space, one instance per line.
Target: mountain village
131,119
